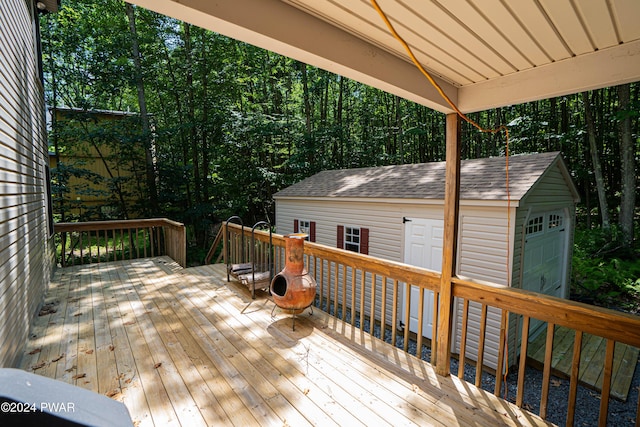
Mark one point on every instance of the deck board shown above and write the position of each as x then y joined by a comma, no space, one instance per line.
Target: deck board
183,347
591,360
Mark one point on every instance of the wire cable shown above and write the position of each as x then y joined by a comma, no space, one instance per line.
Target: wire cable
463,116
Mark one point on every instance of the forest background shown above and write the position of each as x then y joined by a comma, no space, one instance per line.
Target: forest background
222,125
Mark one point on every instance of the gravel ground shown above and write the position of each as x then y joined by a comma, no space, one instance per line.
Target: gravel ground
587,400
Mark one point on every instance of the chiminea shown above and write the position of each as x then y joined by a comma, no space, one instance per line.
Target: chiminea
293,289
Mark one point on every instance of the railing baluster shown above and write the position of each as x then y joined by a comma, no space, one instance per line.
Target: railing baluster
354,273
524,344
383,308
372,303
344,291
394,314
81,245
606,383
407,307
152,241
575,370
504,321
137,243
321,282
71,251
463,338
434,341
63,248
145,233
480,358
363,282
420,323
336,280
106,244
546,373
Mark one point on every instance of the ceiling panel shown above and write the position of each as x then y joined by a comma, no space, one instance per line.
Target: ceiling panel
598,22
447,30
626,14
504,19
568,24
542,31
482,28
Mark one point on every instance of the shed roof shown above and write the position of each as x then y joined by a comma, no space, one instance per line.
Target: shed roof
481,179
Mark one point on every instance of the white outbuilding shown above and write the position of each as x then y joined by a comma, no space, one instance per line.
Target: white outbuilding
521,238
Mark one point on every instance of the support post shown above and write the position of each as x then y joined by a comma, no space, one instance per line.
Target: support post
451,214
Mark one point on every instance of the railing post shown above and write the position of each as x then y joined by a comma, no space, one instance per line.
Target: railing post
451,213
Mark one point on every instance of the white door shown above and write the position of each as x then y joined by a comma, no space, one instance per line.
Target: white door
545,253
422,248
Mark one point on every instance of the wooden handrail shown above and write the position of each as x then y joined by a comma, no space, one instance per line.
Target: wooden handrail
62,227
160,235
336,270
417,276
600,321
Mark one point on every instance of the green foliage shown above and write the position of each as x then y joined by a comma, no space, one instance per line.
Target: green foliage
601,274
233,124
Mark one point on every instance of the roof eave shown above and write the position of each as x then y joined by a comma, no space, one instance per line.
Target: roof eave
514,203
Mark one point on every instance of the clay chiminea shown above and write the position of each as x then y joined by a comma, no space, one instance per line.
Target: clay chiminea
293,289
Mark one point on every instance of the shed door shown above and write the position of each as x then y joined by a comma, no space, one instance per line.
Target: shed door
545,253
422,248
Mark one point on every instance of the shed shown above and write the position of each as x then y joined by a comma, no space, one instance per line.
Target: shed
396,212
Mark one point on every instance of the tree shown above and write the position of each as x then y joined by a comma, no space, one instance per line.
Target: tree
628,168
595,159
144,116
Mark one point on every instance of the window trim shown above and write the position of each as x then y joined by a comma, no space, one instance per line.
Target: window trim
352,239
363,241
310,231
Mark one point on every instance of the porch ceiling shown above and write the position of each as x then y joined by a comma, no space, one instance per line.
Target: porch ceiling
483,53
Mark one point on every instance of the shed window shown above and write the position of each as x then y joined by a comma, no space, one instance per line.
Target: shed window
555,221
535,225
354,239
307,227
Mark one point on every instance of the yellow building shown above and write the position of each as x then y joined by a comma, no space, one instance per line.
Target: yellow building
96,181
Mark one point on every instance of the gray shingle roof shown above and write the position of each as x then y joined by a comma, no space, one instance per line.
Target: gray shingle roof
481,179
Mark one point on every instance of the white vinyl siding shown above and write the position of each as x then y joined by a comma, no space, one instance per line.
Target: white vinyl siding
25,258
385,239
486,240
385,228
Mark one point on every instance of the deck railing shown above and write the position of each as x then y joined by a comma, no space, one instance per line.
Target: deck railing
101,241
366,292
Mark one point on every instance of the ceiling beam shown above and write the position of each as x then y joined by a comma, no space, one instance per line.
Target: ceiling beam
284,29
607,67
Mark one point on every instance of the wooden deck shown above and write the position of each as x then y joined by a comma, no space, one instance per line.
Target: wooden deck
591,367
182,347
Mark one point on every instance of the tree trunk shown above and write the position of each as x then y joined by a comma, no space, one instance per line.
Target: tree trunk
305,94
206,120
595,159
628,168
195,160
142,103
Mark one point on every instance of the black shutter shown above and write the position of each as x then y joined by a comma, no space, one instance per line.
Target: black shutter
340,237
296,227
